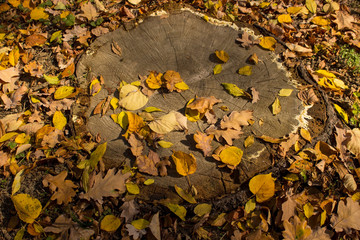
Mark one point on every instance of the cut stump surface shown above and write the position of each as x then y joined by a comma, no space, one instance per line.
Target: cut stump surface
184,42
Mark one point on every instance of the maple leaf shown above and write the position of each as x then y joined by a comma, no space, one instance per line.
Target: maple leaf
129,210
203,104
344,20
296,230
347,216
227,134
68,229
63,189
246,40
147,164
236,119
105,187
203,142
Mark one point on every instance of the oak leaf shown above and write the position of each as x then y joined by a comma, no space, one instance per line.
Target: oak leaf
63,189
296,230
89,11
129,210
344,20
246,40
354,143
227,134
136,144
236,119
348,216
254,95
112,185
308,96
147,164
203,104
203,142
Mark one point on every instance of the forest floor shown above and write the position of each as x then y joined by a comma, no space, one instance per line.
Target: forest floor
309,193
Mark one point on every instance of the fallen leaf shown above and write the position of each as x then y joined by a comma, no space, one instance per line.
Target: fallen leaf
305,134
95,87
288,143
344,20
311,5
136,143
341,112
255,95
68,71
235,91
203,142
249,141
110,223
165,144
263,186
268,43
245,71
147,164
155,226
227,134
349,182
319,20
353,144
231,155
114,103
116,48
132,188
296,230
293,10
250,205
222,55
51,79
308,96
89,11
284,18
217,69
133,101
17,182
170,79
203,104
63,92
288,209
276,107
253,59
347,217
285,92
63,190
27,207
134,123
152,109
246,40
185,163
308,210
237,119
38,13
186,196
59,120
202,209
112,185
180,211
129,210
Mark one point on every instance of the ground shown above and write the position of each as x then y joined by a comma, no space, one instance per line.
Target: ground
55,182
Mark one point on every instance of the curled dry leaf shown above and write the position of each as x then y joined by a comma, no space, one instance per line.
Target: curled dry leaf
308,96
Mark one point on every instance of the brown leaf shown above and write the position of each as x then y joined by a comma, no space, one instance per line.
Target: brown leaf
31,128
116,48
203,104
288,209
319,234
107,186
347,216
162,166
236,119
98,108
62,189
296,230
171,78
354,143
4,159
228,134
254,95
247,40
52,138
147,164
89,11
286,145
64,225
308,96
203,142
136,144
344,20
129,210
9,75
342,138
35,40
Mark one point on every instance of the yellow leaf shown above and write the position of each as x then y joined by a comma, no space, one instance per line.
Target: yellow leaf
34,99
14,3
110,223
135,123
246,70
276,107
270,139
97,155
322,217
7,136
134,101
59,120
182,86
222,55
202,209
305,134
268,43
318,20
285,92
63,92
308,210
132,188
154,82
284,18
17,182
231,156
217,69
22,138
152,109
311,5
264,4
38,13
324,73
14,56
180,211
340,84
263,186
51,79
165,144
140,224
185,163
340,111
3,8
56,36
192,115
28,208
122,120
250,205
186,196
149,181
249,141
114,103
291,177
235,91
293,10
95,87
136,83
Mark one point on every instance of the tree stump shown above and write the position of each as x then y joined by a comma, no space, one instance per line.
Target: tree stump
185,42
